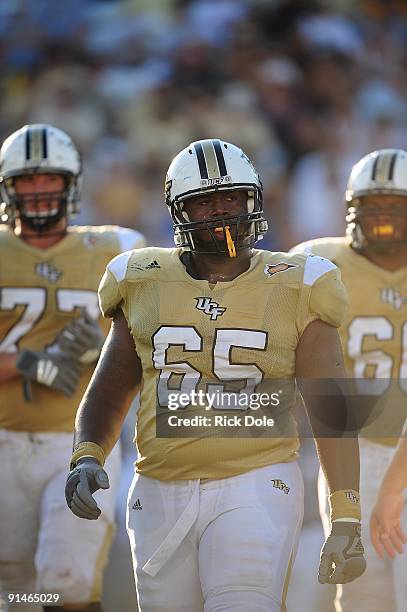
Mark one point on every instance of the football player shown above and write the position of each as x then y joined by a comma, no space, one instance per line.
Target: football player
372,258
214,518
50,338
385,523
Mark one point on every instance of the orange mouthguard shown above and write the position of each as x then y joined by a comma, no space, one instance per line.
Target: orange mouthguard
229,242
383,230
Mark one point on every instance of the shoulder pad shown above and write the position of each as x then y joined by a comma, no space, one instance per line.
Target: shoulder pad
117,238
325,247
315,267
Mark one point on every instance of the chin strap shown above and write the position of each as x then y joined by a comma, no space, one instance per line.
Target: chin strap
229,242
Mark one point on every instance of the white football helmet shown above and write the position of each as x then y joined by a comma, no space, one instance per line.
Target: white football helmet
212,165
382,172
33,149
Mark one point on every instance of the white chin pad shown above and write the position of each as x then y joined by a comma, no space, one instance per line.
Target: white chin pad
184,212
250,201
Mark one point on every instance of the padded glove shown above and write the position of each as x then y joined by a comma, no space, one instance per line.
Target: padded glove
83,480
82,339
54,371
342,556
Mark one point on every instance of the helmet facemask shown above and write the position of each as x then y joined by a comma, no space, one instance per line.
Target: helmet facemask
229,233
30,207
381,229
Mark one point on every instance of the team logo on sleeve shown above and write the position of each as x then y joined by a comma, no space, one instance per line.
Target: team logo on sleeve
209,307
270,269
92,240
47,271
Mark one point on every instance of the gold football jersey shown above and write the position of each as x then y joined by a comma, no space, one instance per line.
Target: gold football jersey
192,337
41,290
374,335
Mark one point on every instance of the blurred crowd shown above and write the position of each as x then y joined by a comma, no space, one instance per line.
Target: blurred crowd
306,87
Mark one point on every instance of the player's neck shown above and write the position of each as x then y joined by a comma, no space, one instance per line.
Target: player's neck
44,240
388,261
217,268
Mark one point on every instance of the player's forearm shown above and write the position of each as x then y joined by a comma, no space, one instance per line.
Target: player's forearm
395,479
99,418
339,458
113,385
8,369
328,411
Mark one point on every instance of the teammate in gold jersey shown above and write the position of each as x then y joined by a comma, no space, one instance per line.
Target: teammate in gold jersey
373,263
215,507
50,338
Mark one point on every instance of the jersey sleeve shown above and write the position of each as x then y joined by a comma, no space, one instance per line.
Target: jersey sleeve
324,295
112,288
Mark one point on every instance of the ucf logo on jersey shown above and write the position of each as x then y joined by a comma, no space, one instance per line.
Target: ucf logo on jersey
393,297
210,308
47,271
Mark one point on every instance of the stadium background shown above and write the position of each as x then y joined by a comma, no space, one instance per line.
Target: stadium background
304,87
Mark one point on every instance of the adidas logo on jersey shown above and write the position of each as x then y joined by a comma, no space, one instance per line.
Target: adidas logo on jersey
393,297
153,264
210,308
279,484
137,505
47,271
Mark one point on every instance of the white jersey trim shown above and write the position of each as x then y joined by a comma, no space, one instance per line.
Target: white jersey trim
304,247
129,239
118,265
315,267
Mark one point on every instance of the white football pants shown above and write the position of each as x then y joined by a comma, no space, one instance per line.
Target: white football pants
216,545
43,546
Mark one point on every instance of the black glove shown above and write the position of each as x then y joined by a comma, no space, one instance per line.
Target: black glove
54,371
84,479
82,339
342,556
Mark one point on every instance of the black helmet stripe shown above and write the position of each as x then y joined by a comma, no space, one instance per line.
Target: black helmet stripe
210,159
219,157
36,145
392,164
201,160
383,167
27,144
376,161
44,143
